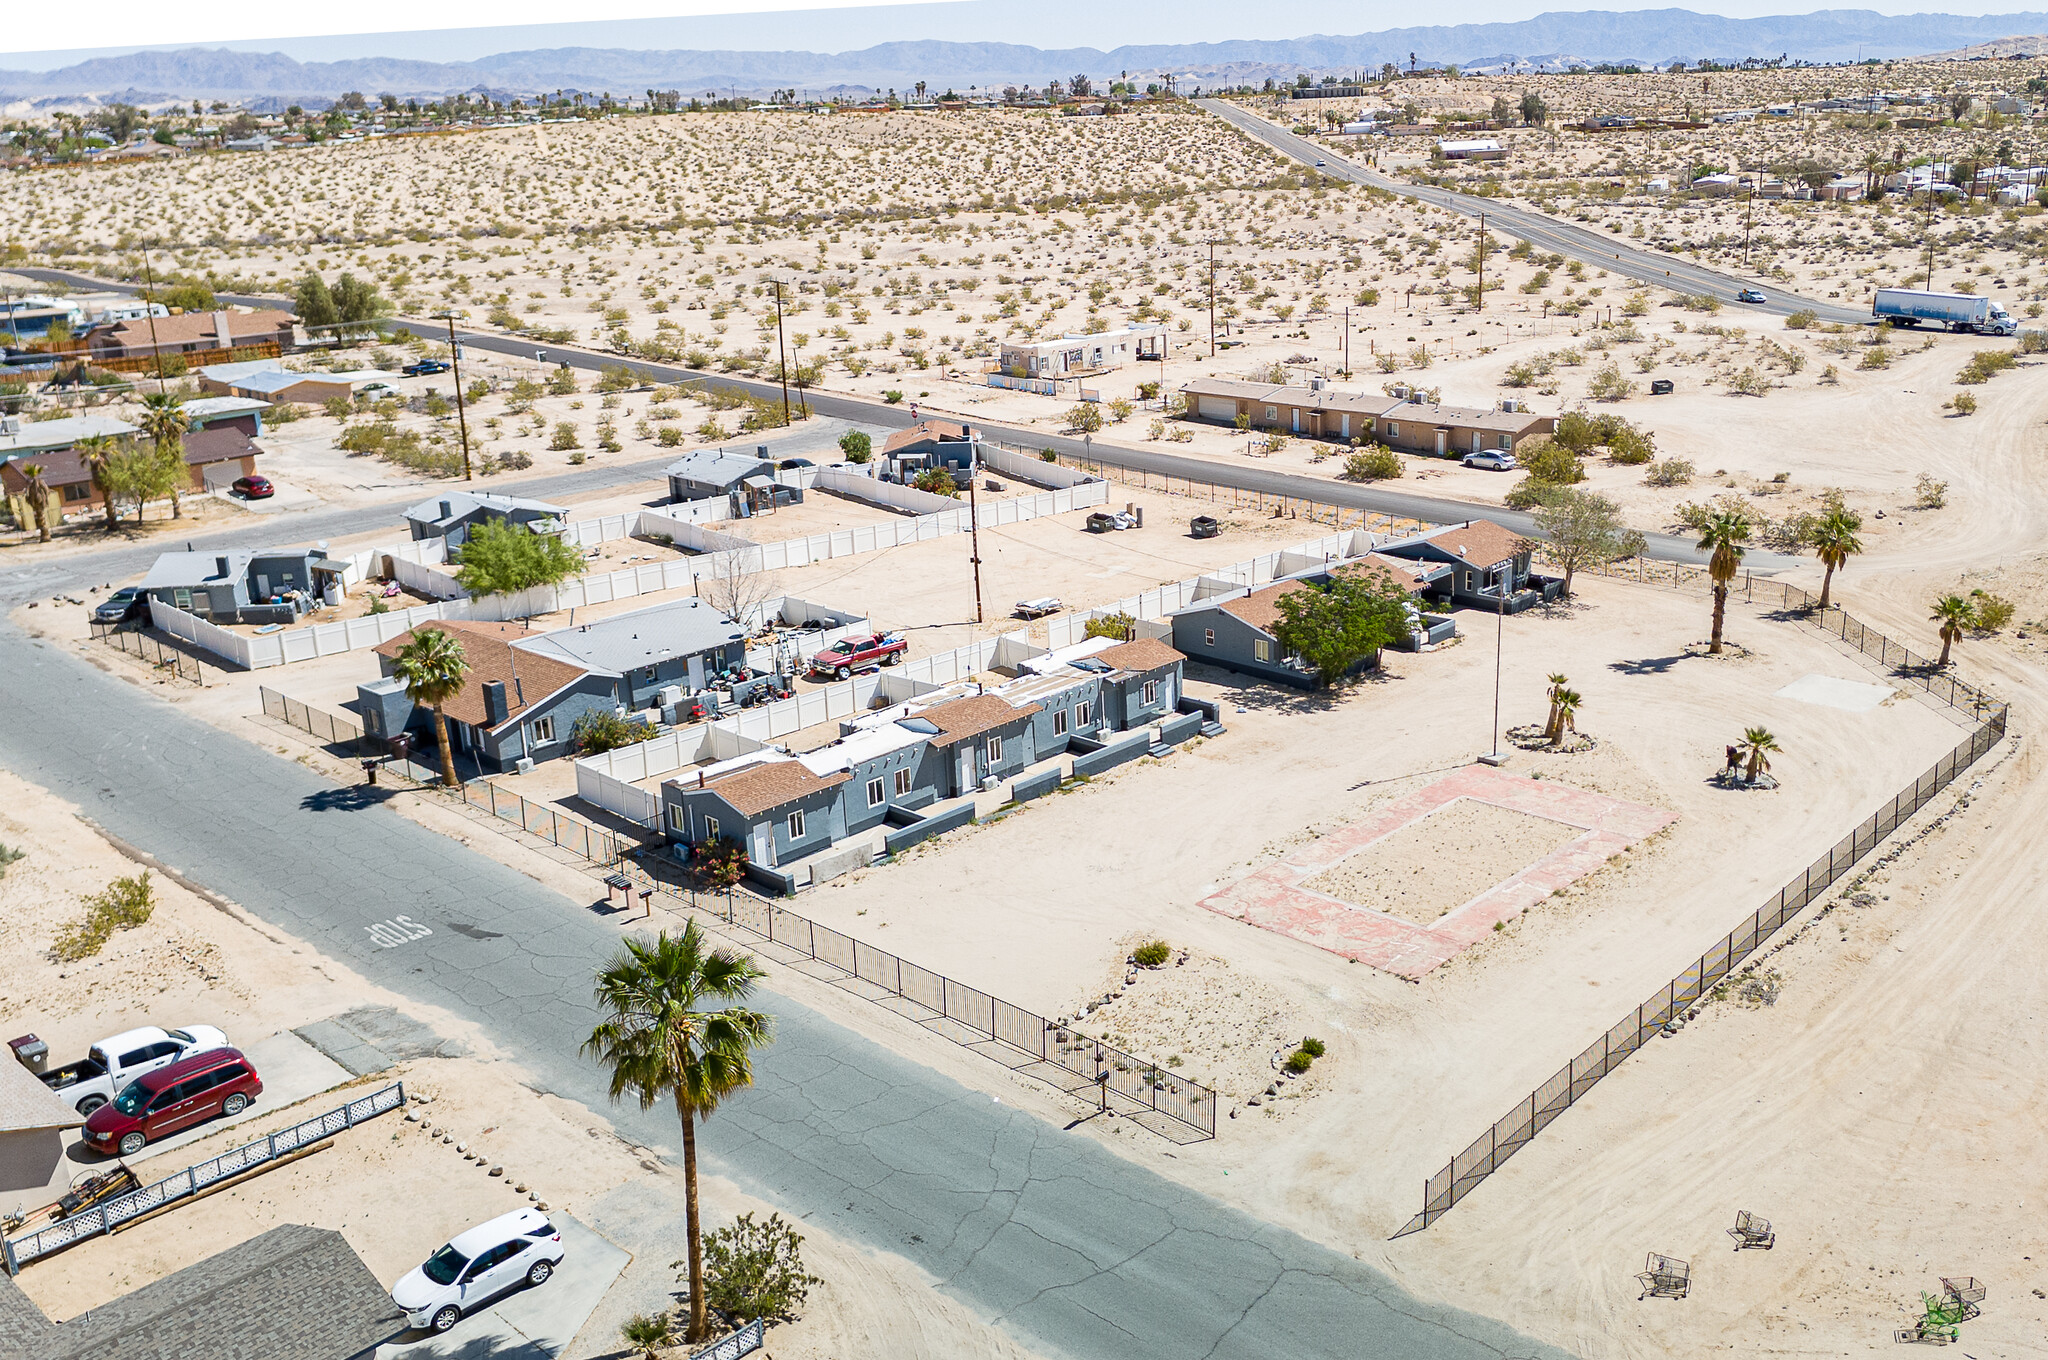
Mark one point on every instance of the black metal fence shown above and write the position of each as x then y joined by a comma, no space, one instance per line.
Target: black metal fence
132,639
1051,1052
578,837
1509,1133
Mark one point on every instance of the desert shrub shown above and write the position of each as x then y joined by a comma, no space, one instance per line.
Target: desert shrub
1299,1061
1988,612
1877,356
121,905
2033,342
518,460
892,396
1549,461
754,1269
1609,385
597,732
562,382
711,429
1120,626
668,436
1802,319
284,413
1085,416
1930,493
564,437
1669,472
1315,1048
1702,302
8,854
1152,954
1750,382
1984,364
1962,403
857,446
1531,492
936,480
1372,465
337,407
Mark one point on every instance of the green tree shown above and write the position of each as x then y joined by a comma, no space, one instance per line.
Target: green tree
1724,535
1554,463
501,558
1835,542
756,1269
1756,744
358,300
1584,529
936,481
433,668
38,492
1533,109
1334,627
676,1027
191,295
857,446
1956,615
1559,685
313,303
140,475
164,425
96,452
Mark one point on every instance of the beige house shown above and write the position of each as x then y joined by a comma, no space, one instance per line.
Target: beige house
1328,413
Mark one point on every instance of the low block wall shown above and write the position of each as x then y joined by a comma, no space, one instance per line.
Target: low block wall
1035,785
1109,757
928,827
1177,729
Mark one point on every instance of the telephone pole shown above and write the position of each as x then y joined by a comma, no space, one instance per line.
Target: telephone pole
149,310
461,414
1479,303
974,523
1748,217
781,359
1212,299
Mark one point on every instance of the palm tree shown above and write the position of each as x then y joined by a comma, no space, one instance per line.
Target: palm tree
1557,687
658,1042
433,666
647,1334
38,493
1835,542
163,422
96,452
1955,614
1724,534
1756,743
1568,702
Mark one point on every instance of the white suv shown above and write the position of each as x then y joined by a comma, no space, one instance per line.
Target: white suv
477,1266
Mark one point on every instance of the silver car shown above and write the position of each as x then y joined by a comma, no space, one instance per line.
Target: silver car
1492,462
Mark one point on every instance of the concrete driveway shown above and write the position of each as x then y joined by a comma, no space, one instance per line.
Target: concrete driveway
528,1323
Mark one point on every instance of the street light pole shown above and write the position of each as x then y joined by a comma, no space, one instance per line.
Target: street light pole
461,413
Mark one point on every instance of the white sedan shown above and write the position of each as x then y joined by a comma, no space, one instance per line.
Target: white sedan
1492,462
521,1247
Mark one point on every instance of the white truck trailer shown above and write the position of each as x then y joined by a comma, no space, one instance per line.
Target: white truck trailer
1957,311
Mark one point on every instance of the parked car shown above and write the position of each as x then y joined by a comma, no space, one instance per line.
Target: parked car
253,488
477,1266
789,464
121,606
113,1063
1492,461
171,1099
424,368
1660,387
843,657
1749,295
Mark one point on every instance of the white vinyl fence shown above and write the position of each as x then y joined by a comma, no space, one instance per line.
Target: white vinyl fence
299,644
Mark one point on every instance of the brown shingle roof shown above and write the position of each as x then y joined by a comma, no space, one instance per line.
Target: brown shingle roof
262,324
26,1104
217,444
763,788
923,430
528,676
1261,608
960,719
1481,543
1412,577
1145,654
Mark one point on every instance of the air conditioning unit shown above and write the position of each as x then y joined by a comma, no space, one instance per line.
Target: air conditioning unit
991,784
1399,392
524,764
671,695
1317,384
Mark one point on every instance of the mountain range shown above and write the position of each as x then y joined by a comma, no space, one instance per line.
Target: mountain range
1642,36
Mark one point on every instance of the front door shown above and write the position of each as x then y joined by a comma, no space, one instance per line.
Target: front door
696,672
967,780
1440,438
764,845
1476,441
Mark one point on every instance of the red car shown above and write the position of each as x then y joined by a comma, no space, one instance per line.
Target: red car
253,488
847,655
170,1099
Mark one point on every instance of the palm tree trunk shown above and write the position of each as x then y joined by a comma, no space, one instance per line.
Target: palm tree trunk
1720,615
447,754
1944,652
1826,583
1755,759
692,1227
113,515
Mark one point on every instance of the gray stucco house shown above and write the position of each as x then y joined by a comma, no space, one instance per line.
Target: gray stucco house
452,514
239,586
747,484
682,643
1475,558
1237,631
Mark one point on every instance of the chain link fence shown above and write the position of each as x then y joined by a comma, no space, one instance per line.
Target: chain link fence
1050,1051
132,639
1571,1082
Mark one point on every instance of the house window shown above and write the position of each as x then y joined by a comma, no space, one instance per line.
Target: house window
78,491
544,730
1059,722
1393,429
902,782
678,819
995,750
874,792
1262,649
796,825
1507,441
1081,714
710,828
1272,414
1209,637
1151,691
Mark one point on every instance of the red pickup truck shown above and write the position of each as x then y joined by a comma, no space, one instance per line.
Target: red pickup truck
848,655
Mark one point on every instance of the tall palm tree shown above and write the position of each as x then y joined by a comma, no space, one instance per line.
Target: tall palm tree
1835,542
96,452
1756,744
38,493
164,424
659,1039
1724,534
433,666
1955,614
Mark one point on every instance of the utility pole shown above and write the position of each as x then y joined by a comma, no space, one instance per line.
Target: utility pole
974,523
149,310
1928,229
1479,304
461,414
1748,217
1212,299
781,360
1347,341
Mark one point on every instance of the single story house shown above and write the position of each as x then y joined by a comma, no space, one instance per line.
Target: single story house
1238,632
1136,683
1454,431
213,457
452,514
679,644
49,444
1482,555
1474,149
32,1124
1311,412
240,586
513,705
977,737
193,333
244,413
747,484
293,1291
1071,356
268,380
777,807
950,444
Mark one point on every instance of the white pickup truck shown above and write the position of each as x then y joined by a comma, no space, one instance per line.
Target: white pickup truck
114,1062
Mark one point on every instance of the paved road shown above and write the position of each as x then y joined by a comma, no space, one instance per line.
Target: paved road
1079,1252
880,416
1645,266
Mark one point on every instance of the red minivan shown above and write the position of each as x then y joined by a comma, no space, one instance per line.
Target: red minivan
174,1098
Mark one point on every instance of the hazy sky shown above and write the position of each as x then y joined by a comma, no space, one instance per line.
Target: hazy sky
41,36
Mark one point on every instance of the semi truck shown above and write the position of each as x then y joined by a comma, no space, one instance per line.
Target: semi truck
1957,311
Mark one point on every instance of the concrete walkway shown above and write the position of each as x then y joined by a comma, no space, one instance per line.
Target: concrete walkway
1081,1253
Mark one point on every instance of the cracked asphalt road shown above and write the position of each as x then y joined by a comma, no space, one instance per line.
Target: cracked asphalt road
1076,1251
